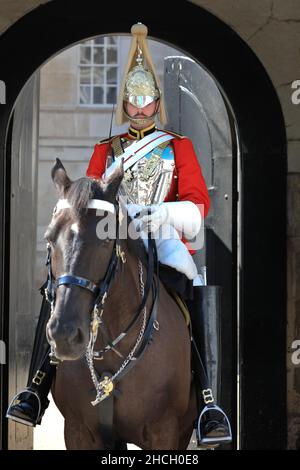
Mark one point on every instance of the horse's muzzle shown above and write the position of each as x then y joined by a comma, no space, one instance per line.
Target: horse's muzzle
68,340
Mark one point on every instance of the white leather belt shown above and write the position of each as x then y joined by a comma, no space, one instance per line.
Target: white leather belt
139,149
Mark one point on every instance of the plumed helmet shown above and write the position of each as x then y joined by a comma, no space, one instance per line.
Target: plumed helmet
140,85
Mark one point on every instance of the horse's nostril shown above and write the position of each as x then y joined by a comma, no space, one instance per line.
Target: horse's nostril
76,337
66,334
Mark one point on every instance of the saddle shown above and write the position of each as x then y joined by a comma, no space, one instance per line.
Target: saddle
182,305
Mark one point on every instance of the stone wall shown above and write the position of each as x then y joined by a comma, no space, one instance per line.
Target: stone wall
12,10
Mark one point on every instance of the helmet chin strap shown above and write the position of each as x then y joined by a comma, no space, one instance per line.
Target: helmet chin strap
142,121
145,121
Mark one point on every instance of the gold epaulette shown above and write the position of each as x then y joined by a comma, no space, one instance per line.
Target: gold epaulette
115,142
105,141
180,136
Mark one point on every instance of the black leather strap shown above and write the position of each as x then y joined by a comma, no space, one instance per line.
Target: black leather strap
199,367
77,281
106,418
148,335
150,271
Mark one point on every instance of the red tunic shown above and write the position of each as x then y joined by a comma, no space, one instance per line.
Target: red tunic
187,184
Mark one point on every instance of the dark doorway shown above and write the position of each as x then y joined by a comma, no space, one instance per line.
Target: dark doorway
262,272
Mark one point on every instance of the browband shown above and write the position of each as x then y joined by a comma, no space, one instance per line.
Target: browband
92,204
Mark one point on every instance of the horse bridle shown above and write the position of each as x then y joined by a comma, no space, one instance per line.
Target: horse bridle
102,290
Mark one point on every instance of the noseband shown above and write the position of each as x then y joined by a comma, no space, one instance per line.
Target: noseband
104,388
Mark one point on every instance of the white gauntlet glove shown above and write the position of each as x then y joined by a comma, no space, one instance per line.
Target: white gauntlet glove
152,221
184,216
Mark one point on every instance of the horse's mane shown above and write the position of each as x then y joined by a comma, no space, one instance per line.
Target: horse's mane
82,191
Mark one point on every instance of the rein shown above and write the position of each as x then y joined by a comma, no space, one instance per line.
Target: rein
105,387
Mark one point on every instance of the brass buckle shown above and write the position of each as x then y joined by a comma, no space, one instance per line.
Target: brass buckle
38,377
208,395
107,386
120,253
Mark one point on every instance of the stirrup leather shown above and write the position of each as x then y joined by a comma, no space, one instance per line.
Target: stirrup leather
20,420
201,422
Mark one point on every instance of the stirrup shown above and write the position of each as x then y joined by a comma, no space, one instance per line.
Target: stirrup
36,420
212,441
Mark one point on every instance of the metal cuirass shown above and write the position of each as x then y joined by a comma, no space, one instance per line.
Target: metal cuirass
148,181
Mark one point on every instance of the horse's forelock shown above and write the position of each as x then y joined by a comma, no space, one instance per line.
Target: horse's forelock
82,191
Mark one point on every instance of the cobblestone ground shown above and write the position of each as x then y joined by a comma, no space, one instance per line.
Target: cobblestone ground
50,435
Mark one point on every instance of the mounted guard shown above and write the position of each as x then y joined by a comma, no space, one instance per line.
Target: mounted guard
165,194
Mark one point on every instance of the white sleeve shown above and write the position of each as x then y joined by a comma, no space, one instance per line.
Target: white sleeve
185,216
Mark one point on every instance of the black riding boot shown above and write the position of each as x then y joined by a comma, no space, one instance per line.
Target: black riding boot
28,406
213,427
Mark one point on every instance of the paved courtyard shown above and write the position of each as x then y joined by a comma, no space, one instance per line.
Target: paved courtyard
50,435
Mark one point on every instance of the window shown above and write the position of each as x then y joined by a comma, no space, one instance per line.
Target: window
98,71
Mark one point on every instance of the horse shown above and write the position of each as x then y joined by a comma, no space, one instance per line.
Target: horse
155,404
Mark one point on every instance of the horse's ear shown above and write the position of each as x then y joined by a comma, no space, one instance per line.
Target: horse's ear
112,182
60,178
